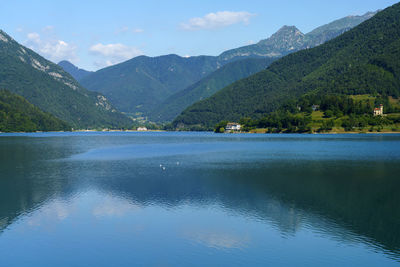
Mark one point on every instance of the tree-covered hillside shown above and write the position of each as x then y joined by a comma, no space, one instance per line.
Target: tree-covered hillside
364,60
18,115
175,104
49,87
140,84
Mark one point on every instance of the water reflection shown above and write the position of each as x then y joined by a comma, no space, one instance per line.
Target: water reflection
117,179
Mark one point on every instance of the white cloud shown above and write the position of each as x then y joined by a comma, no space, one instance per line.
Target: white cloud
113,53
217,20
51,48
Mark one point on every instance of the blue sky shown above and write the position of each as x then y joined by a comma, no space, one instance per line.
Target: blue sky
94,34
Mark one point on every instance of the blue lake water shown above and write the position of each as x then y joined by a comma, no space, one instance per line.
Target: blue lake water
199,199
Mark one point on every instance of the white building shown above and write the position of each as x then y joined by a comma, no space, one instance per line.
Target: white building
233,126
378,111
141,129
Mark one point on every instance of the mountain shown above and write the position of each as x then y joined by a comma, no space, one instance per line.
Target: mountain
331,30
155,87
47,86
231,72
364,60
75,72
148,87
289,39
248,60
286,40
142,83
18,115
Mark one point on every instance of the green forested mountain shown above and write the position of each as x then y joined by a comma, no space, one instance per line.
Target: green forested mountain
140,84
287,40
143,86
175,104
364,60
47,86
75,72
18,115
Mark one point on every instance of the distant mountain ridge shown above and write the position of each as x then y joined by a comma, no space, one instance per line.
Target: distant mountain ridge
75,72
49,87
289,39
363,60
142,85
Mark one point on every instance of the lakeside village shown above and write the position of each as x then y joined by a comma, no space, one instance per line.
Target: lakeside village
315,118
319,119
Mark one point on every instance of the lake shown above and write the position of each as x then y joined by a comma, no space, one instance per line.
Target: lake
199,199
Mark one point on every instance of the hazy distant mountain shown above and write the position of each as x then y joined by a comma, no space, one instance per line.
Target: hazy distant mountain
328,31
286,40
142,85
75,72
364,60
289,39
49,87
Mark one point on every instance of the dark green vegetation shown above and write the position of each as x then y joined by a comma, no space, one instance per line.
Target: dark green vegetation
159,88
364,60
75,72
47,86
335,113
18,115
175,104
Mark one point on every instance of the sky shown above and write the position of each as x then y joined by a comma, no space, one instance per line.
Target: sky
96,34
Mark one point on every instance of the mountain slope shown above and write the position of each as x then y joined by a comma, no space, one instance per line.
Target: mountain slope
49,87
175,104
289,39
139,84
257,57
286,40
142,85
75,72
326,32
18,115
362,60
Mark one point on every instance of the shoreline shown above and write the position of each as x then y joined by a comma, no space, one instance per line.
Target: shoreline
162,131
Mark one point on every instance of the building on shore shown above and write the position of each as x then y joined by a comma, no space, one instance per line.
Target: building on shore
233,127
378,111
141,129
